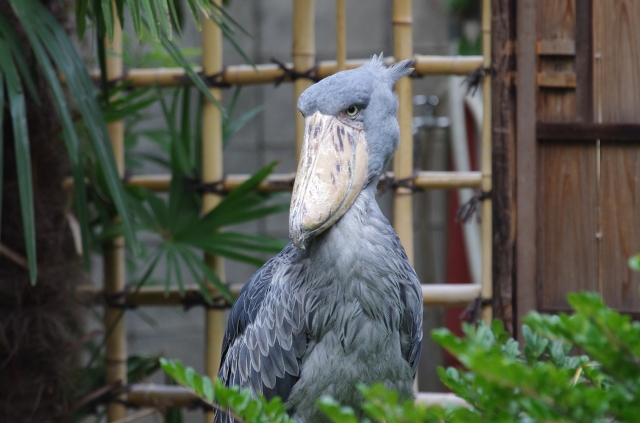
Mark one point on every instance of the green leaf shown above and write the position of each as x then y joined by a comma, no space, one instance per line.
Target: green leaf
147,8
198,268
70,138
1,144
136,16
336,412
108,16
81,17
207,389
17,107
163,18
19,61
634,263
227,33
177,55
231,129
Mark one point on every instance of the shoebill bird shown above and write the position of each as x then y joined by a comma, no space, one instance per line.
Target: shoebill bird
341,304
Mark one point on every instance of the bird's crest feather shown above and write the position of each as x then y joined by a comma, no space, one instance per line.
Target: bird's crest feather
394,72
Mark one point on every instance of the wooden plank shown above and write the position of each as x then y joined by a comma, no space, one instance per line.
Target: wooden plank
556,79
620,182
616,42
526,160
556,48
619,60
584,60
503,160
587,131
556,21
567,251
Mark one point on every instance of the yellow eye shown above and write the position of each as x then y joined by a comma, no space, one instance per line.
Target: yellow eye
352,111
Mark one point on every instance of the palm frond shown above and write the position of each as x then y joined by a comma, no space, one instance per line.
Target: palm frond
18,111
54,52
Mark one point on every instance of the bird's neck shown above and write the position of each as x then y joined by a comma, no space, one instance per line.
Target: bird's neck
361,231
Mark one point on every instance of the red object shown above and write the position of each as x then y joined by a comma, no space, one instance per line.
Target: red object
457,270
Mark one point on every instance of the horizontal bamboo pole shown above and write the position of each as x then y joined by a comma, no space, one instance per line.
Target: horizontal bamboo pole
451,295
437,398
152,395
268,73
284,181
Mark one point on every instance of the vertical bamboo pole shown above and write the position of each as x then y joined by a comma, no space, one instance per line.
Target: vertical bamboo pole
403,159
114,265
304,56
341,34
486,225
211,172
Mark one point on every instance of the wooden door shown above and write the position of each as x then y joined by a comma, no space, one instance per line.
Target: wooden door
576,153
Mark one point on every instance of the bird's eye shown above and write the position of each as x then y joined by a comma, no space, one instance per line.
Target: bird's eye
352,111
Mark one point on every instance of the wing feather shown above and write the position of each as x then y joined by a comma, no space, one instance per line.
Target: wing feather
265,339
411,325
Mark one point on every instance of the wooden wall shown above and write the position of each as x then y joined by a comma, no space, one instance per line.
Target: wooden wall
617,85
577,176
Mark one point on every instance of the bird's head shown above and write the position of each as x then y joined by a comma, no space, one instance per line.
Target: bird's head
351,132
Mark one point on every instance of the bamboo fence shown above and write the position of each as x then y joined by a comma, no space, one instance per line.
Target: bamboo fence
303,54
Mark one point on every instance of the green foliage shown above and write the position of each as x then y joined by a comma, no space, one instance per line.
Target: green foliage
178,223
238,403
182,232
54,53
634,263
381,405
543,381
158,17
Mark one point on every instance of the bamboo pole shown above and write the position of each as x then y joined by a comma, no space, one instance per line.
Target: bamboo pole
281,182
268,73
442,399
161,396
403,159
113,251
151,395
341,35
304,56
447,295
211,172
486,227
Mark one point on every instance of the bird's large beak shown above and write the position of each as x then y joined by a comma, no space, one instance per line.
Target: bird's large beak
331,174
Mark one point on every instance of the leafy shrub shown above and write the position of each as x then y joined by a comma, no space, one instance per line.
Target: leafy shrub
583,367
242,405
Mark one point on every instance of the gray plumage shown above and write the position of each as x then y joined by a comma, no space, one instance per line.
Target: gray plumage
346,309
